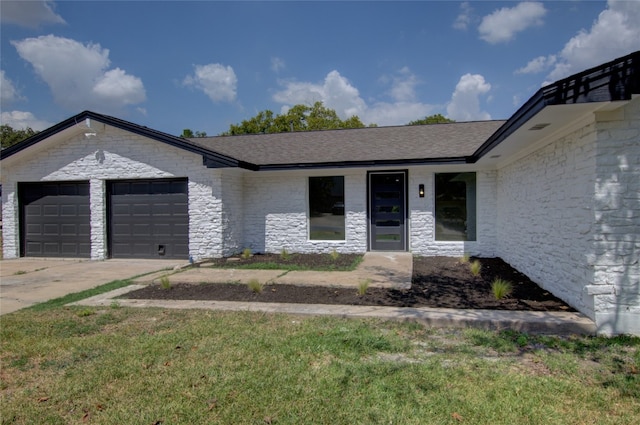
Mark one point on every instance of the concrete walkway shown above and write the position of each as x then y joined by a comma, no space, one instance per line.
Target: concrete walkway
381,269
28,281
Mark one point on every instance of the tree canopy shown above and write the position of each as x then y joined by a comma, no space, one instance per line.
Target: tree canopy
10,136
432,119
298,118
187,133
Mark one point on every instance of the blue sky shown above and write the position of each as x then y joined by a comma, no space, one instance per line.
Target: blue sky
205,65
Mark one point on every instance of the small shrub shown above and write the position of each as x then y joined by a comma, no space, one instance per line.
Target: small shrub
284,254
334,255
363,286
501,288
475,267
255,286
465,258
86,312
165,283
246,253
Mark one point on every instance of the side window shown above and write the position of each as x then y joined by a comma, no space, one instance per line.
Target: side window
455,206
326,208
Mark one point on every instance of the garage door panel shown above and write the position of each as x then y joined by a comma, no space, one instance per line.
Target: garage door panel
55,219
149,218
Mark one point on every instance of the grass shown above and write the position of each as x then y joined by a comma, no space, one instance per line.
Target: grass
124,365
165,283
246,253
290,266
501,288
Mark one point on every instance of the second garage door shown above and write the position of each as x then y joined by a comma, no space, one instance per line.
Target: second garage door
148,218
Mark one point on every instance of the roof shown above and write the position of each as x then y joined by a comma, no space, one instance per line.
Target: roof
434,143
451,143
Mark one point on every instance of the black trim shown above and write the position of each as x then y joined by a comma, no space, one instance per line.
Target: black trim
210,158
405,173
374,163
615,80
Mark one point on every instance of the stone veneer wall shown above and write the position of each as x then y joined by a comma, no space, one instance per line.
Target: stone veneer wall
115,154
616,255
276,212
422,215
569,218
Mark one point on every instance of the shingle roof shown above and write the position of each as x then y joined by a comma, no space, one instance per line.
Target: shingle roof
453,142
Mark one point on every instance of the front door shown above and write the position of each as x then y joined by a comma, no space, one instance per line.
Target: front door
387,209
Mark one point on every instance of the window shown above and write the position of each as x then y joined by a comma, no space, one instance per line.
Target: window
326,208
455,206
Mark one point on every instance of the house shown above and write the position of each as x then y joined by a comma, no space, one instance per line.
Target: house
554,191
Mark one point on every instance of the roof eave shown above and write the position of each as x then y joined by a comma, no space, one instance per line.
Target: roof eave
210,159
620,77
366,163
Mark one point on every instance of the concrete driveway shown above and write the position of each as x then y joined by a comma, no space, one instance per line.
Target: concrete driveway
28,281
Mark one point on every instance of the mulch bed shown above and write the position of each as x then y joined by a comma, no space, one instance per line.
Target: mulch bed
437,282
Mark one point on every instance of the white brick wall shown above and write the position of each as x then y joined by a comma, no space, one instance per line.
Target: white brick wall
616,255
276,212
114,154
422,215
545,215
569,218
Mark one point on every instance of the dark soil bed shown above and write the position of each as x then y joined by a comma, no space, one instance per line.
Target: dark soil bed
437,282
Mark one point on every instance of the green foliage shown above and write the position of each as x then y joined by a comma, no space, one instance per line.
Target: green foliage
334,255
465,258
284,254
298,118
475,268
501,288
165,283
255,286
10,136
187,133
246,253
85,312
432,119
363,285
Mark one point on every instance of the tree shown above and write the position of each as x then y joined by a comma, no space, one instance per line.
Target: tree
298,118
11,136
432,119
187,133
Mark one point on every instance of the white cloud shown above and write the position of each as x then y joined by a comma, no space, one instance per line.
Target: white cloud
21,120
217,81
503,24
277,64
615,33
30,14
337,93
78,74
464,18
536,65
465,100
8,92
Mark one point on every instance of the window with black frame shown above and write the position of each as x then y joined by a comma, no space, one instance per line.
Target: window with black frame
455,206
326,208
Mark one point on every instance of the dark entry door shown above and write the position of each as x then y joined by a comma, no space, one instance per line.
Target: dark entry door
387,231
148,218
55,219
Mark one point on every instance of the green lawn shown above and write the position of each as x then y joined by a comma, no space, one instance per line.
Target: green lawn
63,365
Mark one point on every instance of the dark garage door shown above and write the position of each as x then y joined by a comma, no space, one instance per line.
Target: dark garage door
148,218
55,219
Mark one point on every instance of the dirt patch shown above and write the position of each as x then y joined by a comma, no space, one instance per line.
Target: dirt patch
436,282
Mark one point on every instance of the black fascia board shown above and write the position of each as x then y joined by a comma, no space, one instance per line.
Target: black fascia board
211,159
616,80
372,163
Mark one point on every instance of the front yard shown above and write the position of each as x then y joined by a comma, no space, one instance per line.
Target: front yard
62,365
